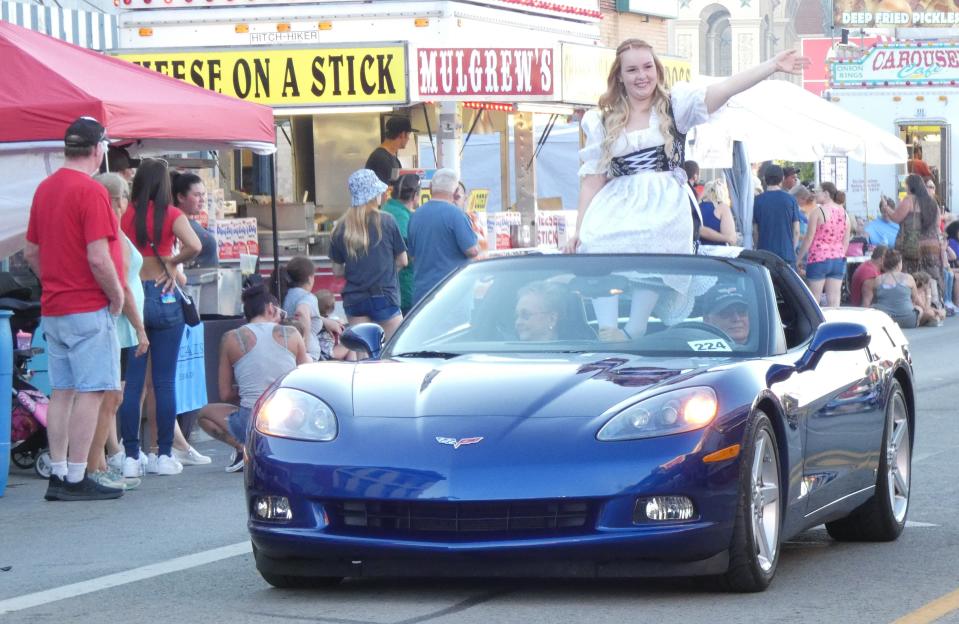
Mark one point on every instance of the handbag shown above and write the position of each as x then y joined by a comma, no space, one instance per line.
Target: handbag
191,316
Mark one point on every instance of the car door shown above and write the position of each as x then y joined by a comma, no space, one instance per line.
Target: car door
844,402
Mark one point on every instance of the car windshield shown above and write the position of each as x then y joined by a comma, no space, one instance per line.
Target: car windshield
647,305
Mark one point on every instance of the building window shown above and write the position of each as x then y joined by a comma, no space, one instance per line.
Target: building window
716,45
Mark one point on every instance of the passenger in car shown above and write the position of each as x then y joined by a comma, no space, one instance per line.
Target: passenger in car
728,310
539,309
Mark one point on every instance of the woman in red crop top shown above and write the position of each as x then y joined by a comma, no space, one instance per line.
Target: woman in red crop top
153,224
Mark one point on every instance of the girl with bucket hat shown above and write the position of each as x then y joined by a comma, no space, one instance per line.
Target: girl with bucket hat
368,249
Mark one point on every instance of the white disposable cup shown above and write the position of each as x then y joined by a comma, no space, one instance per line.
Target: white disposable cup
247,264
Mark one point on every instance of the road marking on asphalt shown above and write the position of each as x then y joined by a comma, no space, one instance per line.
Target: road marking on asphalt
932,611
123,578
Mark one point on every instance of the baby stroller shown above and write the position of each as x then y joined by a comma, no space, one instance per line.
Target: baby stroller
29,409
29,433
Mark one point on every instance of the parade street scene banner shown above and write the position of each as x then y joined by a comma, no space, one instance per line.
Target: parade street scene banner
290,77
895,13
899,64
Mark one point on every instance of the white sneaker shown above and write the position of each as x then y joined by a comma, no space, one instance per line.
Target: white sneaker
236,461
132,468
191,457
166,465
116,461
151,463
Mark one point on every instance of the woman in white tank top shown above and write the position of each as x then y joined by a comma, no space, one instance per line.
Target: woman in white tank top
251,359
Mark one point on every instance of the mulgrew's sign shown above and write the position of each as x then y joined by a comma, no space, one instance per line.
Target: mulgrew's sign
505,74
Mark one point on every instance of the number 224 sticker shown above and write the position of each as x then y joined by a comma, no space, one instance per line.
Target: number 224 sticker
714,346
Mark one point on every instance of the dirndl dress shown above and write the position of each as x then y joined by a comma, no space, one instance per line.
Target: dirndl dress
646,205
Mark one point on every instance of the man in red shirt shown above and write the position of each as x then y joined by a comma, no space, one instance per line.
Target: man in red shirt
866,271
73,247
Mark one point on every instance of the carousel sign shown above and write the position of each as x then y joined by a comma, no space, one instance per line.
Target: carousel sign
899,64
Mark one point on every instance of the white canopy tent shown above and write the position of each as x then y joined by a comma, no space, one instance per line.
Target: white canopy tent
778,120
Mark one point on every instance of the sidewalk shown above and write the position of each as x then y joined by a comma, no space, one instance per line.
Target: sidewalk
49,544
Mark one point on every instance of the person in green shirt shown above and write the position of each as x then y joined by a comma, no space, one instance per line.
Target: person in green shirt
406,193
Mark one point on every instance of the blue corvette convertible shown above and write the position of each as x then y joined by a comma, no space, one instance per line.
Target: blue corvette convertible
504,431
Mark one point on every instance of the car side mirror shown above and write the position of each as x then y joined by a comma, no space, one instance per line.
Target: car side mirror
834,336
364,338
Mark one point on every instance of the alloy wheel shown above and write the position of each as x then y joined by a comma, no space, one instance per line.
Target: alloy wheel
764,504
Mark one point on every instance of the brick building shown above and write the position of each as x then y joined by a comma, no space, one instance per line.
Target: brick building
622,19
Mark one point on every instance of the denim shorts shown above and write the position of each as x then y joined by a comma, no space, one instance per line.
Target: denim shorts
238,422
83,351
834,268
376,307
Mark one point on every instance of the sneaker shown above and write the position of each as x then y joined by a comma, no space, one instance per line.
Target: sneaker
166,465
54,487
88,489
104,478
116,461
151,467
132,467
236,461
129,483
191,457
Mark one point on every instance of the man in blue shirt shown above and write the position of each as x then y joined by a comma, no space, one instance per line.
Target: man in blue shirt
776,218
440,236
882,230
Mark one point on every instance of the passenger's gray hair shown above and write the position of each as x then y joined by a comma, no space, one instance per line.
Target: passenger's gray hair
115,183
801,193
445,181
554,296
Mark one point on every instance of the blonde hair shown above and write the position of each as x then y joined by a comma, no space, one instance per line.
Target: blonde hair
355,226
716,192
614,104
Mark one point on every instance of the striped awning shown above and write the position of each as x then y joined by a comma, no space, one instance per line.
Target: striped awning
88,29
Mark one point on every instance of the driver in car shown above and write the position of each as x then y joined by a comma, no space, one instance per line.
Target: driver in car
727,309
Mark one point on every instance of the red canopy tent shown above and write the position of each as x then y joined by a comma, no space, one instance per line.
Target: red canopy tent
47,83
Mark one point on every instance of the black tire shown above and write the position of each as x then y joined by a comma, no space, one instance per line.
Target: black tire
746,573
42,466
875,520
283,581
22,459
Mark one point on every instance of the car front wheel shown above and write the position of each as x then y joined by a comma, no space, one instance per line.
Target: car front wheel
754,552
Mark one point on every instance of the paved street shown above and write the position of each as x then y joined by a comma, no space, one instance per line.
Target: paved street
177,550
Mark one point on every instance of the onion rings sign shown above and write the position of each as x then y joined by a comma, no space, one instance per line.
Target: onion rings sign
900,64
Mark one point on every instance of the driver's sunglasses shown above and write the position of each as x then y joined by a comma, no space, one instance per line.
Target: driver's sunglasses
733,310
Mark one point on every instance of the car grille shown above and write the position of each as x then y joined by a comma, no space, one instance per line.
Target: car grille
542,516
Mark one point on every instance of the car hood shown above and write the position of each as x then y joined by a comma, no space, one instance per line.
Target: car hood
545,386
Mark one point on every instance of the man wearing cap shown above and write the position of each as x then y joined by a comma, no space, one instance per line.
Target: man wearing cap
119,161
790,178
441,235
776,218
727,309
383,160
73,247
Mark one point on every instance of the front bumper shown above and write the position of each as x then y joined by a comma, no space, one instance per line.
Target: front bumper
611,476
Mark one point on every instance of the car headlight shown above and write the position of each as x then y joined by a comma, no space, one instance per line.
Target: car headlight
664,414
290,413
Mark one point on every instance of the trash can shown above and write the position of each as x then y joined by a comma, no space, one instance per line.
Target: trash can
6,387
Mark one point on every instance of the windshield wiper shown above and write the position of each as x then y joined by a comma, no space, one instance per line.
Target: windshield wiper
427,354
